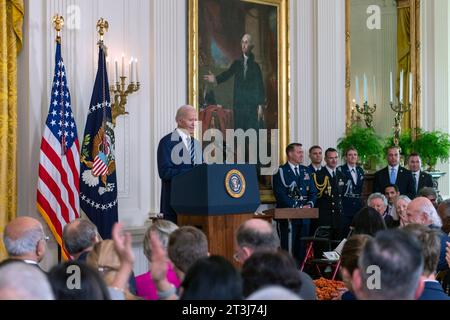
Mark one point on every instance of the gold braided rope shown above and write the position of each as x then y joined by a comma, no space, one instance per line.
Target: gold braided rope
321,187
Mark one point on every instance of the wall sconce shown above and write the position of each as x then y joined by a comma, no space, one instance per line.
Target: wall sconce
119,90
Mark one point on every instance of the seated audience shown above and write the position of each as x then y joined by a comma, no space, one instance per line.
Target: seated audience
25,240
265,268
79,237
349,261
380,203
145,287
422,211
22,281
368,221
212,278
186,245
390,268
75,280
258,235
105,259
431,246
400,209
444,213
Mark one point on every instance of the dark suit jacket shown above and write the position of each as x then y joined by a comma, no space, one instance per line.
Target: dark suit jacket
351,200
433,291
425,180
248,91
404,181
304,182
329,203
167,169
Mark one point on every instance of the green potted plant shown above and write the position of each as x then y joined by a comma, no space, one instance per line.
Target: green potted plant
368,144
432,146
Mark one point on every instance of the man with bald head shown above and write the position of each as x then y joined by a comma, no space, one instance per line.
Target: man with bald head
25,240
178,152
256,235
422,211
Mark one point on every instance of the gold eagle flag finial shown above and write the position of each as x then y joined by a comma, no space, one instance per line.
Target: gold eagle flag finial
58,23
102,27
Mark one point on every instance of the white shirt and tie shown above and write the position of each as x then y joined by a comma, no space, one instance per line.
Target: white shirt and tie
294,168
393,172
332,172
353,173
187,139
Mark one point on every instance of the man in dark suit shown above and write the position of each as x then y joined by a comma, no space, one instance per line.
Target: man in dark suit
351,201
315,154
178,152
422,211
420,178
394,174
330,185
248,92
431,246
293,187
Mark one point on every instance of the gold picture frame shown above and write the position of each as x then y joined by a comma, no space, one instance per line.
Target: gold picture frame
279,116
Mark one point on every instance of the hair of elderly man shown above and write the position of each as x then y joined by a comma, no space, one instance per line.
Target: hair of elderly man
183,110
25,244
186,245
398,256
377,195
163,229
431,245
78,235
426,192
247,236
22,281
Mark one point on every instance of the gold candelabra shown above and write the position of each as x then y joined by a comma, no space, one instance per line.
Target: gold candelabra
119,90
400,111
367,111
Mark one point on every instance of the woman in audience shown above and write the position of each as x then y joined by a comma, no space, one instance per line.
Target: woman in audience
265,268
75,280
212,278
145,287
368,221
349,261
400,208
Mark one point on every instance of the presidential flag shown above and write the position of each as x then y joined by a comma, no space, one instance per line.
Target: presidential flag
98,184
59,160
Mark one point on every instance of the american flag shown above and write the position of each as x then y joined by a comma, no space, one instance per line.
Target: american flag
59,161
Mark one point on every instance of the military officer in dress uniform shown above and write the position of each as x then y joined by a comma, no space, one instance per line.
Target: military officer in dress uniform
330,184
294,188
351,201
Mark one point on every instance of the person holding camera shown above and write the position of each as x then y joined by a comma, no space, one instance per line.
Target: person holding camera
293,187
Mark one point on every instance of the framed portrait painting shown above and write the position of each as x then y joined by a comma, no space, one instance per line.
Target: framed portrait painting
239,70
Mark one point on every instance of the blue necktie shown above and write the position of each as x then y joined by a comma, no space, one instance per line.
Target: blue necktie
393,176
192,150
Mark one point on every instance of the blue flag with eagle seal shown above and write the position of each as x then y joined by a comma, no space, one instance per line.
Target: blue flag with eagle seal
98,183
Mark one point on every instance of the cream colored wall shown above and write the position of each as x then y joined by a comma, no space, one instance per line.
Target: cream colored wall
155,32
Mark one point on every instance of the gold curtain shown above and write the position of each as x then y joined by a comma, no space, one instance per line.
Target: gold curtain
11,20
404,57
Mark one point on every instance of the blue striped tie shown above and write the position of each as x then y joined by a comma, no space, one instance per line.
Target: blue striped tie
192,150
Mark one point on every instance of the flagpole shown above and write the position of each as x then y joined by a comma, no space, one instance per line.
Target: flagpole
58,23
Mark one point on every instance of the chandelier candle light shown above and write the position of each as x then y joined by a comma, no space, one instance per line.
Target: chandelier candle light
401,108
366,110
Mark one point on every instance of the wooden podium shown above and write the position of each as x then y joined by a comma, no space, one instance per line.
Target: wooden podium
201,199
292,214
